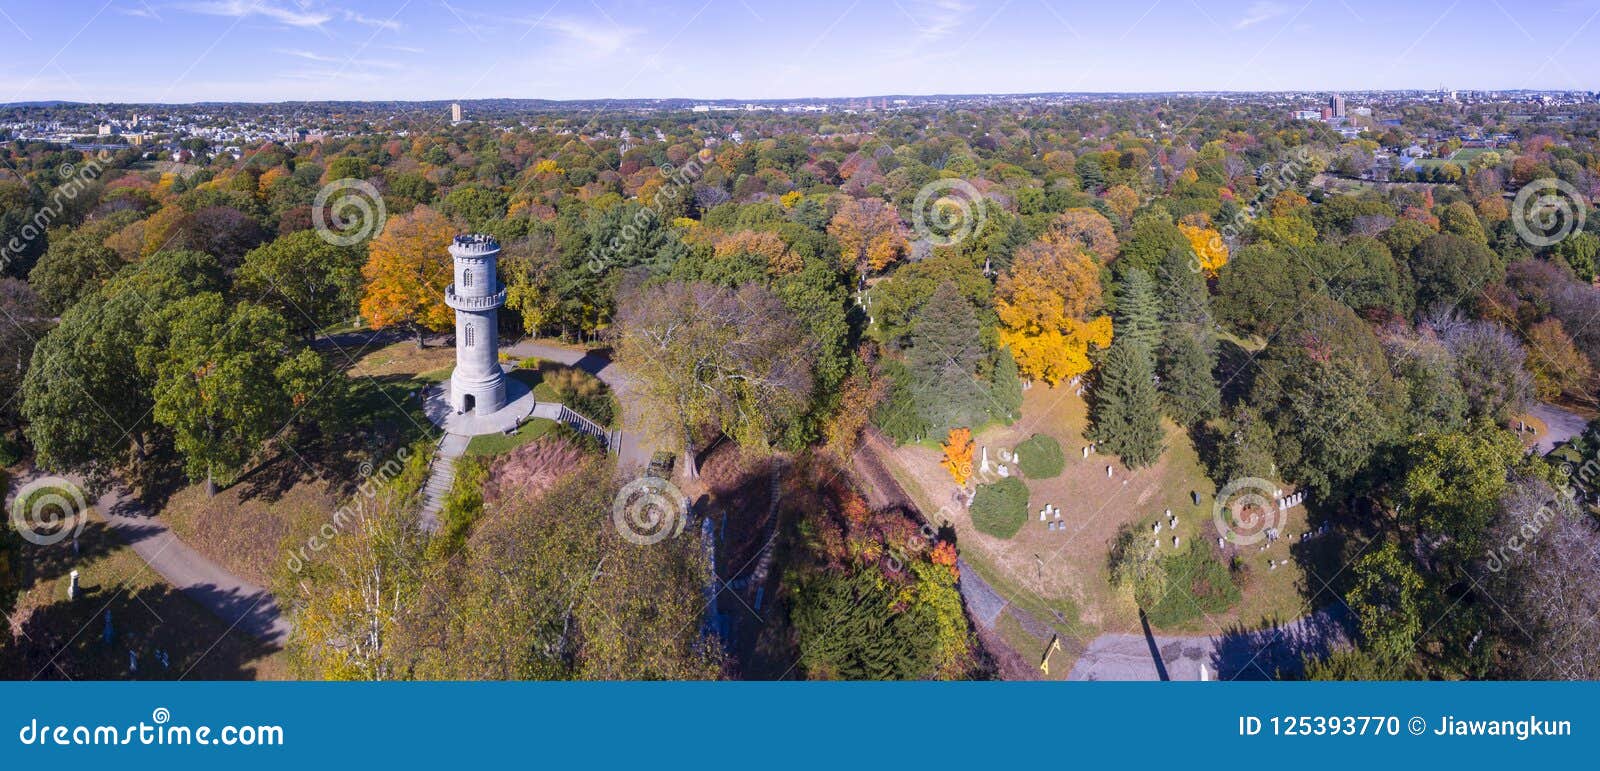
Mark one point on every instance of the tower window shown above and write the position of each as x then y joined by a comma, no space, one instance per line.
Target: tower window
471,334
466,278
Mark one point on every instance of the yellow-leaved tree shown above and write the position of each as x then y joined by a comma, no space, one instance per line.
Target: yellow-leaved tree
1207,245
408,267
958,455
1044,303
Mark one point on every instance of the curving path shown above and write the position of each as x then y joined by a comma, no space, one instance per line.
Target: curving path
1559,425
239,603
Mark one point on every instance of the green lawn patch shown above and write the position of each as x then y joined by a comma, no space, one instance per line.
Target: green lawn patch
999,509
496,444
1040,457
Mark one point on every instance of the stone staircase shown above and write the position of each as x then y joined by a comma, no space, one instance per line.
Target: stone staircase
441,476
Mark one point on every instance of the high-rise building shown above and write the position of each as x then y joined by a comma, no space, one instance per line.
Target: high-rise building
455,113
1336,104
478,384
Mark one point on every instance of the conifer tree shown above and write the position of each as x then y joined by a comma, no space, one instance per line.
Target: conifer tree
1187,355
1125,416
1138,317
946,349
1126,412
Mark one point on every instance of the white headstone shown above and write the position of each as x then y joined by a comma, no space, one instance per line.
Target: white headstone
72,587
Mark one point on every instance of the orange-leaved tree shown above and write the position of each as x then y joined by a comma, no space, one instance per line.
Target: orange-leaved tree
870,233
1089,229
408,267
1044,303
958,455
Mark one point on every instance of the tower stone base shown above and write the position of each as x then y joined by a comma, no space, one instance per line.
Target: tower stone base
476,394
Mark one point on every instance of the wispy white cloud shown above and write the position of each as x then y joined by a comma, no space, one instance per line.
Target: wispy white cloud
368,21
342,61
307,55
296,16
1259,12
601,38
294,13
938,19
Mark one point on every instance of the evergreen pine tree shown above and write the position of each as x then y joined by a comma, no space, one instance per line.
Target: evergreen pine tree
1126,413
1187,355
1005,387
1138,316
946,349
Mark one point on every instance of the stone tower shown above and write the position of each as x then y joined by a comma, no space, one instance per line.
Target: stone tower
478,385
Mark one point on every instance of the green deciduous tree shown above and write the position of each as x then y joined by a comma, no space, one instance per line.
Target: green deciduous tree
309,282
227,381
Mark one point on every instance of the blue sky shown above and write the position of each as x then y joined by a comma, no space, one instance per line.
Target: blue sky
271,50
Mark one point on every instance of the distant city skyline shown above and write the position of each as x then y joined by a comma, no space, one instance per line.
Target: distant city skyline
144,51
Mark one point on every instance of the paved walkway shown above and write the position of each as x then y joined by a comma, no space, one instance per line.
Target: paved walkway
1560,425
632,453
239,603
1237,654
441,476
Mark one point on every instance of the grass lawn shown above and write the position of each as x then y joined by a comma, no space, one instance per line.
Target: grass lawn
57,638
1466,154
535,379
497,444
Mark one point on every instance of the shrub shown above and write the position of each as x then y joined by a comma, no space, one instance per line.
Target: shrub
1001,508
10,451
583,392
1040,457
1197,583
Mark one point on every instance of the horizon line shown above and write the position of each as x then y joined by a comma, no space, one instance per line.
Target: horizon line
763,100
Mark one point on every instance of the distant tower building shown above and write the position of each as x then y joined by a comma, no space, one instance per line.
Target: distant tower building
455,113
478,384
1336,104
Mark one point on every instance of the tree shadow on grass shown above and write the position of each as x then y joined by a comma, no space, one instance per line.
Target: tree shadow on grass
1279,650
67,639
41,563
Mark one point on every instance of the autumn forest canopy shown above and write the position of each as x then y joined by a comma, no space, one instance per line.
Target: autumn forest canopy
789,291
